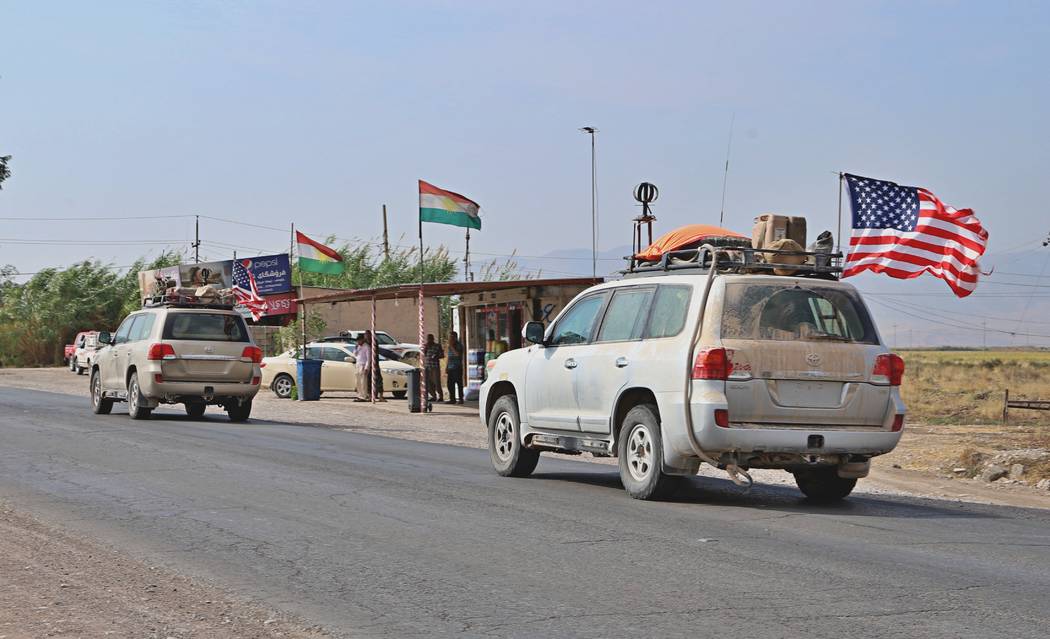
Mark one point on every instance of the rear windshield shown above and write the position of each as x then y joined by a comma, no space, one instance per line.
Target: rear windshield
208,327
800,312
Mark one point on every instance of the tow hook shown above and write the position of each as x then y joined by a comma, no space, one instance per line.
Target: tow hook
209,394
739,476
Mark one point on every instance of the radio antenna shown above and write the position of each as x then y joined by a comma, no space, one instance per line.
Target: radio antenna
725,176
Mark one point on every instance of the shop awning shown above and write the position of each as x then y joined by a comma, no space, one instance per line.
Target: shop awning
441,289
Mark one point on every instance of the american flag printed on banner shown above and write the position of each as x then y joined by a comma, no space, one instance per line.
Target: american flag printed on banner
905,231
245,291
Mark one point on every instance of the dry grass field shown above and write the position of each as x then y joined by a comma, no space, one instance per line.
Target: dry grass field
966,387
955,405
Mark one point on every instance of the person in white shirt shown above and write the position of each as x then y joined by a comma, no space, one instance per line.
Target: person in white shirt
364,370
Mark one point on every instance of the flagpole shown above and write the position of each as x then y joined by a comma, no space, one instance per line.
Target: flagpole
466,259
838,237
422,330
302,306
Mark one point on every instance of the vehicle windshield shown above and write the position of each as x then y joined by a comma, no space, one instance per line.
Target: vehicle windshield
207,327
801,311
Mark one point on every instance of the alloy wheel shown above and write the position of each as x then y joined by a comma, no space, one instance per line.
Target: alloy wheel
640,452
503,437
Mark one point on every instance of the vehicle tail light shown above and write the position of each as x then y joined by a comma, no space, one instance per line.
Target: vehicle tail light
262,364
722,417
889,369
898,423
712,363
158,378
256,380
161,351
254,353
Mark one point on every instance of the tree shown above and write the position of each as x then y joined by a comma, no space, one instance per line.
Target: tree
39,317
5,172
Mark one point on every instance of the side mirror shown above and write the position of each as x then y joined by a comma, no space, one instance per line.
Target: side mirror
350,360
533,332
105,338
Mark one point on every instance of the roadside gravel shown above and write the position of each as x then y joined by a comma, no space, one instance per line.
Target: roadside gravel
58,585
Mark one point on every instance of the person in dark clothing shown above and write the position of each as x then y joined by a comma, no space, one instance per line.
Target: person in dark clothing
432,356
377,372
454,368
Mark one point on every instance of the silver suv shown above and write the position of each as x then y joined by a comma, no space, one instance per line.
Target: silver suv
177,354
680,365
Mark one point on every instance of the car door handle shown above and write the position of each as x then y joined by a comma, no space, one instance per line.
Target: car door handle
570,363
621,362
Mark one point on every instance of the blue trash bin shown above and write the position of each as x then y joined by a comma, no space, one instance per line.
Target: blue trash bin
308,375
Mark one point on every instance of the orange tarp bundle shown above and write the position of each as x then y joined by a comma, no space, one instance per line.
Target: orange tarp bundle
684,237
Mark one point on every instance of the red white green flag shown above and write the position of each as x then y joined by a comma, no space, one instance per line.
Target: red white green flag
315,257
445,207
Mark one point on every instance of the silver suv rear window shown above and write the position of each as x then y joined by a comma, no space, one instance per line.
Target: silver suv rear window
790,312
206,327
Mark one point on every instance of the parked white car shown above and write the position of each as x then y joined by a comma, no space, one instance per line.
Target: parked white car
667,369
338,370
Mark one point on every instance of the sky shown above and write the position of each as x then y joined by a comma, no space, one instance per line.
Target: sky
318,113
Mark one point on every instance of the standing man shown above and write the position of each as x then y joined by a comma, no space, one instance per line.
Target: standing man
363,355
454,368
432,356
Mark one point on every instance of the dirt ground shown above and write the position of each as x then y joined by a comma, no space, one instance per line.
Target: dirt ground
55,585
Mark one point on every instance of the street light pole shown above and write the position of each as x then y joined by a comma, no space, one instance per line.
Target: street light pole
594,202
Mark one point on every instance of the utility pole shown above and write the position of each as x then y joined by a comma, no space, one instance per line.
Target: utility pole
590,130
197,240
386,236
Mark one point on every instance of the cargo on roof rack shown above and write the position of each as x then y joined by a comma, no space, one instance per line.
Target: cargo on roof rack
740,259
172,300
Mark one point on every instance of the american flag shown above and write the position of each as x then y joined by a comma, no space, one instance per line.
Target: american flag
905,231
245,291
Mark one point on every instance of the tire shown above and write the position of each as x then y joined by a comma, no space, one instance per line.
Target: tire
399,394
135,399
282,386
238,412
196,409
823,485
509,457
99,404
641,455
80,370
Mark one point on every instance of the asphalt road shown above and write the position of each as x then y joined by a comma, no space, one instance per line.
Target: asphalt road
378,537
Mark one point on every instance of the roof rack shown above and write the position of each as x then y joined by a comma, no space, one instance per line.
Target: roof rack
738,259
174,300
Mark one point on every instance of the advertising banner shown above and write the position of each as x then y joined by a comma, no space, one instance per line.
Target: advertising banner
152,282
218,274
273,273
281,304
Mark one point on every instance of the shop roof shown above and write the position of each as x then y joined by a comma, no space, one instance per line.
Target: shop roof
442,289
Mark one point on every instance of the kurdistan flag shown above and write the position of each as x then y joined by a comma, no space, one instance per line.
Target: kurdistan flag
445,207
315,257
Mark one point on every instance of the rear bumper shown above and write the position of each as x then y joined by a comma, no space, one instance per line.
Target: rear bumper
753,440
174,391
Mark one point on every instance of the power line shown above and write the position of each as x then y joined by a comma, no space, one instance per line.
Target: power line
954,325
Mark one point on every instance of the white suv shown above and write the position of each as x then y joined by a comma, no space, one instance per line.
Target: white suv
672,367
192,354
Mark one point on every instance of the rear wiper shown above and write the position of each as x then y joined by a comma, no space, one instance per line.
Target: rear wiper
828,336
